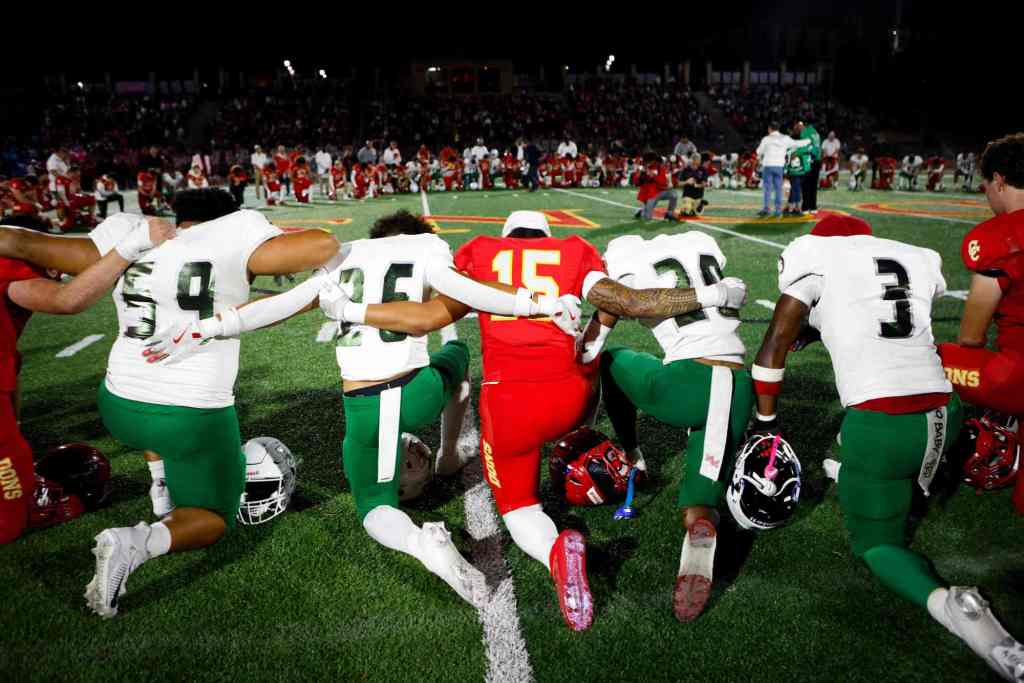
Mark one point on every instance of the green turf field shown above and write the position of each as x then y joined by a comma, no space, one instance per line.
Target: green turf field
310,596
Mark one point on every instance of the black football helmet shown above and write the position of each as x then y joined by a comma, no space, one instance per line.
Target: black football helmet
757,500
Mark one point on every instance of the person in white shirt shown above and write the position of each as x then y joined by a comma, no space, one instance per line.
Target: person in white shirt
323,171
772,154
391,155
684,148
479,151
106,192
567,146
831,146
911,168
57,166
258,160
520,150
858,169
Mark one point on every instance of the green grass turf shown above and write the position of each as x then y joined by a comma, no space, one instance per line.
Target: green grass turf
309,595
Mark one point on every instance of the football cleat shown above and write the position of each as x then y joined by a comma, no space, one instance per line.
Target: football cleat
161,498
118,553
441,557
568,562
971,620
693,585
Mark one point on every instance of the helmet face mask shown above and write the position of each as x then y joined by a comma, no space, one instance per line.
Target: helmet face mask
269,480
51,505
755,501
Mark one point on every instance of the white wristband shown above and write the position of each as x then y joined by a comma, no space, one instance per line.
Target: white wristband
763,374
211,327
524,305
712,296
765,418
546,305
354,313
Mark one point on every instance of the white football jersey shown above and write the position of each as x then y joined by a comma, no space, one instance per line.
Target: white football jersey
202,271
690,259
858,162
871,301
380,271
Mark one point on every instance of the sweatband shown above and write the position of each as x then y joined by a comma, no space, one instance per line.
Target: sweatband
354,313
592,349
711,296
763,374
132,245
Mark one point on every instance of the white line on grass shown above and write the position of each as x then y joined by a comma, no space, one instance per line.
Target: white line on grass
327,332
948,219
426,205
749,238
770,305
956,294
79,345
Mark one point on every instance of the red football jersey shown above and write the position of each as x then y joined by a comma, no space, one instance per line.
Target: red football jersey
994,248
522,349
12,320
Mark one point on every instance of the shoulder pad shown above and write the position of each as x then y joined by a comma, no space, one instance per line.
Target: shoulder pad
624,243
800,259
987,248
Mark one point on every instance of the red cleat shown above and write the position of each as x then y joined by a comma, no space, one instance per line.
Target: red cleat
569,570
693,585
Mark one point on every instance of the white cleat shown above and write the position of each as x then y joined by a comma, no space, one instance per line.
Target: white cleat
971,620
118,553
441,557
161,498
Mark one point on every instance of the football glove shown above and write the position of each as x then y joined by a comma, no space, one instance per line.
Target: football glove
564,312
729,293
180,340
147,234
333,300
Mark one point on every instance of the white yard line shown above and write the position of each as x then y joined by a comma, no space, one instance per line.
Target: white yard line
426,204
770,305
705,226
327,332
79,345
956,294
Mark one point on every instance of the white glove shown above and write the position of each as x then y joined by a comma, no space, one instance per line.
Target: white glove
180,340
564,312
336,305
146,234
729,293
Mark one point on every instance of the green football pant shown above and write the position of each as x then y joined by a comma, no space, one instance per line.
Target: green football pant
882,456
678,394
201,449
421,402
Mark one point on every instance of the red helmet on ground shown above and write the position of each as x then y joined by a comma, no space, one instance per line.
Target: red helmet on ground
589,468
79,468
994,451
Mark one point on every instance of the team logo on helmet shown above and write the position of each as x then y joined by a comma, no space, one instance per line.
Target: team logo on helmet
589,469
765,487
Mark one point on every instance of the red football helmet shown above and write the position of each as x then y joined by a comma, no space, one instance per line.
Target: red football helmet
994,451
80,469
589,468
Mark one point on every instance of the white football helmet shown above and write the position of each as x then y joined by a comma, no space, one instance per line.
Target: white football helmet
756,498
417,467
269,480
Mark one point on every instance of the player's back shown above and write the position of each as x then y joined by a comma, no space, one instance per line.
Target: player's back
873,312
528,349
378,271
201,272
991,249
690,259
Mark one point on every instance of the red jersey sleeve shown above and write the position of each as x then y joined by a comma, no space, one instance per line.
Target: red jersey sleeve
994,248
589,259
464,256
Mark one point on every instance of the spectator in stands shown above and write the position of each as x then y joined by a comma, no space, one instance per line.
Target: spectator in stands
772,153
258,160
684,149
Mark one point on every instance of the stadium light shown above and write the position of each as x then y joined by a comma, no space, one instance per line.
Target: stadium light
323,74
288,64
80,85
433,69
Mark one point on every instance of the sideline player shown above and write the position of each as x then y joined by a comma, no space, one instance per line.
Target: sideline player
703,353
993,379
26,289
901,414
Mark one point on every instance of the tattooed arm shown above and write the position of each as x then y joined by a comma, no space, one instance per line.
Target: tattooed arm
617,299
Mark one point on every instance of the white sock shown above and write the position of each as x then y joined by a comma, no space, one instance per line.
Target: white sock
159,541
937,607
637,457
533,531
449,333
156,469
393,529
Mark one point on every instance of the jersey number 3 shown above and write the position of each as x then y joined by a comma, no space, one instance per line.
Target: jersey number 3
903,325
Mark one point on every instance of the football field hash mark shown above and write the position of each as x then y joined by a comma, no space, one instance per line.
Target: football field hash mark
78,346
770,305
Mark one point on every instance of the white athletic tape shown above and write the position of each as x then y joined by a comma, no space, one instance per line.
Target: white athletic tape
933,451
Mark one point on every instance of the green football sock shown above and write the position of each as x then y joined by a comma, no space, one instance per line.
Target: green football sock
904,572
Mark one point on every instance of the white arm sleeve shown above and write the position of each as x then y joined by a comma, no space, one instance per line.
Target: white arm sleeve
807,289
592,278
108,233
441,277
273,309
